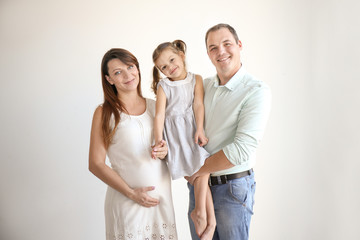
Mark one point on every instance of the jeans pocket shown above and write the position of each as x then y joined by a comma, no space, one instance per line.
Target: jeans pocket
239,190
243,192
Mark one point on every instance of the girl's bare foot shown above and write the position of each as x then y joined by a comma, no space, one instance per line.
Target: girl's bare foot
199,221
210,229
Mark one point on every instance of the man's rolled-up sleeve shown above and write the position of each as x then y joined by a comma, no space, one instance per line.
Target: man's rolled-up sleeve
251,126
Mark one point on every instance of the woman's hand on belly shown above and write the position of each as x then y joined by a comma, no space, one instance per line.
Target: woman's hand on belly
140,196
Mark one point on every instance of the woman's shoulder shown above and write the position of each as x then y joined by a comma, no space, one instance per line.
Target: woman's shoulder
98,111
96,120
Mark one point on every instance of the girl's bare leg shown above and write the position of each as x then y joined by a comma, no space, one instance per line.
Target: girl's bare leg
211,220
198,215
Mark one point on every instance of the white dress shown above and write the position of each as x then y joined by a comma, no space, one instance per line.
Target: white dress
130,157
184,156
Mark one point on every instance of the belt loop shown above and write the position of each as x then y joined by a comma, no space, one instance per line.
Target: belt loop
223,179
210,181
218,178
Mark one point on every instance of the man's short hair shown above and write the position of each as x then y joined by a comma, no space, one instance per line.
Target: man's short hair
219,26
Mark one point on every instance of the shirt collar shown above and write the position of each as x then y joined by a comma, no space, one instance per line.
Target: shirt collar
234,81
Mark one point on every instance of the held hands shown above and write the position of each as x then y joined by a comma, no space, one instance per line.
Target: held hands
200,138
140,196
159,150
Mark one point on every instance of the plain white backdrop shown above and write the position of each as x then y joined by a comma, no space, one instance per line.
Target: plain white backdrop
308,162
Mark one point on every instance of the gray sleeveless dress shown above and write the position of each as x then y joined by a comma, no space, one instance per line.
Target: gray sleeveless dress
184,157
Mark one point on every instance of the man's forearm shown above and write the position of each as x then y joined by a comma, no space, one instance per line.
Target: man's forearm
216,162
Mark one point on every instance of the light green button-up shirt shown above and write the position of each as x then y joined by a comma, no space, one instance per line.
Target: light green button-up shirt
235,118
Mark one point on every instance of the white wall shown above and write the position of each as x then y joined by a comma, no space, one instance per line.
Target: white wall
307,51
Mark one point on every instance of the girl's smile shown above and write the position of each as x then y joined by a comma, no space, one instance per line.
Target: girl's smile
172,65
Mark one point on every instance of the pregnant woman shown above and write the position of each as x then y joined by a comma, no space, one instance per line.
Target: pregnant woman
138,203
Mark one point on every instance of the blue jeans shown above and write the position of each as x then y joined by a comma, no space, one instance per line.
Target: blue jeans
233,204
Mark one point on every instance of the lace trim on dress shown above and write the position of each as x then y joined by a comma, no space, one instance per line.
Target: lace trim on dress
155,232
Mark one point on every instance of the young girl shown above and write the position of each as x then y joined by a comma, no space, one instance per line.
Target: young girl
180,117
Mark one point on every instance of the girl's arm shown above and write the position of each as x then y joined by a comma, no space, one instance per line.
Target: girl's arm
97,165
159,115
199,111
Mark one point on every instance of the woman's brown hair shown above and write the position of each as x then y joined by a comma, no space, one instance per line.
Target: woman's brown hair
112,104
176,46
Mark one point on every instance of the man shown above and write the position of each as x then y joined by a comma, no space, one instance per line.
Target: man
237,107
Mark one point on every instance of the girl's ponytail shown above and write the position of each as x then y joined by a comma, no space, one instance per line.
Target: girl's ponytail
180,45
156,79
